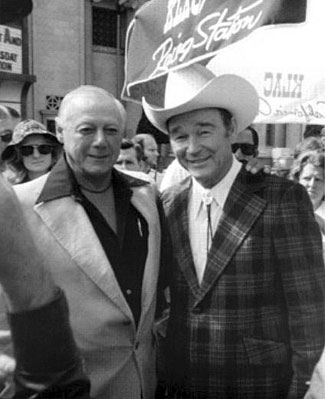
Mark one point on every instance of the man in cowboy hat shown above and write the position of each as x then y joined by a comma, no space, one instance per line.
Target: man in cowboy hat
247,289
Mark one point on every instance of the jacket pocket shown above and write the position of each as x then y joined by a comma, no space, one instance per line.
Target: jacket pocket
265,352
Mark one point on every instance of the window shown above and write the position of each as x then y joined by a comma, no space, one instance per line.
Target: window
53,102
50,125
104,27
270,135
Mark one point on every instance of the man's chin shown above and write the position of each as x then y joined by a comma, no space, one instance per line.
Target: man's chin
95,172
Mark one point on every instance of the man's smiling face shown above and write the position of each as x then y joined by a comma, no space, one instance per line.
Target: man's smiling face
91,133
201,143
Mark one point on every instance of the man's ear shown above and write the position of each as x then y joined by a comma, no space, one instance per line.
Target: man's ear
59,130
232,130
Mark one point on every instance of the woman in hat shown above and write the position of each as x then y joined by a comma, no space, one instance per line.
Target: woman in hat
32,152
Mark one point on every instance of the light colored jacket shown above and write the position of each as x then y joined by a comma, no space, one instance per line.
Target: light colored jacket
119,359
317,383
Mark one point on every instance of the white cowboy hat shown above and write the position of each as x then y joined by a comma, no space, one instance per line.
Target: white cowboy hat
196,87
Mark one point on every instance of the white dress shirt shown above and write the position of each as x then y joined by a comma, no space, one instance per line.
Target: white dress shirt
198,219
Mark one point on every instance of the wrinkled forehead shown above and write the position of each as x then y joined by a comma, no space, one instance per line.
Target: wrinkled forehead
81,102
196,117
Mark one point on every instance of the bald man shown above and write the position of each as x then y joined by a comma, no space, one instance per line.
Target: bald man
99,230
150,156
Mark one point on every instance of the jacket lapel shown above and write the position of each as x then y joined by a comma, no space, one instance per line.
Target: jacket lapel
144,200
177,212
76,234
241,210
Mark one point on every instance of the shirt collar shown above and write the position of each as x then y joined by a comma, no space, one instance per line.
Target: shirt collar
61,182
219,192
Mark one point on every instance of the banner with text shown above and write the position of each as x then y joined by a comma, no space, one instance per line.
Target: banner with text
286,66
10,49
169,34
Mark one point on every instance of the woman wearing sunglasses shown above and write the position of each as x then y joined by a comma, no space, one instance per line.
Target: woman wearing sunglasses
32,152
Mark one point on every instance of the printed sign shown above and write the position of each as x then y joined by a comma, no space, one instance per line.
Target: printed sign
290,84
169,34
10,49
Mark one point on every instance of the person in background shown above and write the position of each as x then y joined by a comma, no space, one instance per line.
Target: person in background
307,144
246,146
247,315
150,151
309,170
150,156
48,363
312,131
15,115
32,152
322,138
9,118
100,233
130,157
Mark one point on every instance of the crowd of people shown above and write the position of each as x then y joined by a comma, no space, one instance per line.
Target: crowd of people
207,282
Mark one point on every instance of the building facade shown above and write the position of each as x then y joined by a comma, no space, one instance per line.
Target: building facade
63,44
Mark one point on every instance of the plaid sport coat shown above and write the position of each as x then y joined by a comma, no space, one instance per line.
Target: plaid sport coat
255,326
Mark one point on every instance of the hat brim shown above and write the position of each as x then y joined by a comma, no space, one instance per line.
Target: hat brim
230,92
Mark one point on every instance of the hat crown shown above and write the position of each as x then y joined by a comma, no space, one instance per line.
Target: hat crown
184,84
26,128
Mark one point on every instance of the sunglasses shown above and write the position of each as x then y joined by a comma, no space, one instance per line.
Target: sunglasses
6,138
43,149
246,149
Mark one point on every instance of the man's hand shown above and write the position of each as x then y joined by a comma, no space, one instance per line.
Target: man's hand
254,166
7,367
26,283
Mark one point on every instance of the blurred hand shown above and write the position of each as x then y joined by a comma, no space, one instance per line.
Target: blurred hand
7,367
24,280
254,166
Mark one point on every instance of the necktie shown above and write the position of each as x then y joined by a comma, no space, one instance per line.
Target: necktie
207,201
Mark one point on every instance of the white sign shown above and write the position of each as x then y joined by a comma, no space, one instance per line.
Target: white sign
10,49
286,66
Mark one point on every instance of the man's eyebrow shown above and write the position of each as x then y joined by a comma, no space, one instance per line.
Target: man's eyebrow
205,124
174,130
